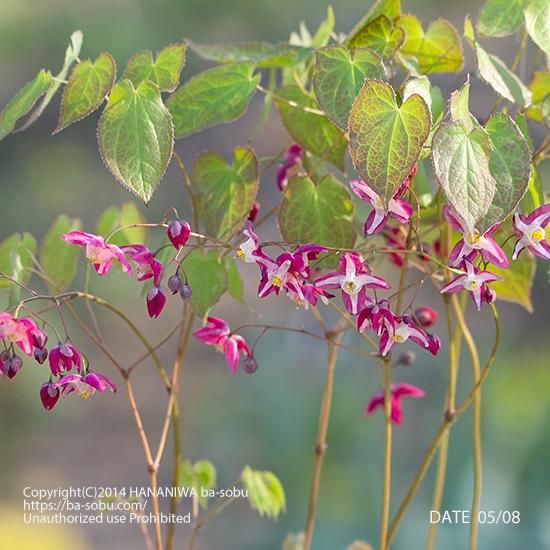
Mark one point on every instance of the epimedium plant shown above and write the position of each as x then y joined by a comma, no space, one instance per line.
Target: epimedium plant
473,229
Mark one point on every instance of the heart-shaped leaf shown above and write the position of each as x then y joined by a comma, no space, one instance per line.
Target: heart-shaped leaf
115,217
540,93
436,51
386,139
136,137
226,192
509,166
381,36
218,95
207,277
164,71
500,17
86,89
320,214
537,23
338,78
389,8
314,132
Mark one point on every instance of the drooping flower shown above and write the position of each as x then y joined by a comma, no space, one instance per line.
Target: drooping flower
11,365
250,251
375,316
147,265
291,164
98,251
426,316
531,230
352,277
63,358
397,392
85,385
156,300
49,395
397,208
178,232
175,284
475,282
216,333
23,332
406,329
473,242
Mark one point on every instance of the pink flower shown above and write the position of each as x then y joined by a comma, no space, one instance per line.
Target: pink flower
178,232
63,357
290,166
397,392
156,300
23,332
398,208
352,278
97,251
474,281
250,251
49,394
216,333
376,315
85,385
532,232
473,242
405,329
254,211
147,265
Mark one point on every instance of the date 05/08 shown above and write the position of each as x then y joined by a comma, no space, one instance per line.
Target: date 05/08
484,517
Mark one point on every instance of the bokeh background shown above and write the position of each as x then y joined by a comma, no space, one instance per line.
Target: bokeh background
268,420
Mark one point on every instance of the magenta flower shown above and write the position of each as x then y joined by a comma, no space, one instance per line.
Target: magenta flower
398,391
98,251
290,166
156,300
352,277
406,329
85,385
376,315
216,333
49,395
147,265
178,232
532,232
23,332
63,357
473,242
426,316
475,282
398,208
250,251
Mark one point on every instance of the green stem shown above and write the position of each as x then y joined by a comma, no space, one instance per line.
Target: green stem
386,492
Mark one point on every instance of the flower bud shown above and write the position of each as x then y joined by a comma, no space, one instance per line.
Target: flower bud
407,358
40,355
178,233
250,365
490,295
156,300
175,283
39,339
426,316
49,395
253,214
185,292
12,366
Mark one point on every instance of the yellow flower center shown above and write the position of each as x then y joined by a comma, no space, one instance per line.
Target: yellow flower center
276,281
378,202
240,253
349,286
473,238
399,338
538,235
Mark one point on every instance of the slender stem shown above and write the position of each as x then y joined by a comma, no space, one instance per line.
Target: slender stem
321,446
386,492
170,530
189,186
290,102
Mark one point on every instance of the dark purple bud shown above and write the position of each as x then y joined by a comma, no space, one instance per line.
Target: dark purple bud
185,292
178,233
49,395
39,339
490,295
4,356
250,365
253,214
40,355
156,300
426,316
175,283
407,358
12,366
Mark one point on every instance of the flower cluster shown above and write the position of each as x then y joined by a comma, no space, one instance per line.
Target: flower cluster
290,166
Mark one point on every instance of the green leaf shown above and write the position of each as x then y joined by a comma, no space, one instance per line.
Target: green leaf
23,101
535,193
115,217
225,192
381,36
459,107
235,285
509,166
390,8
500,17
218,95
436,51
86,89
136,137
263,54
58,259
517,279
421,86
537,23
312,131
540,91
461,165
265,492
320,214
386,139
22,247
164,71
71,55
326,28
207,277
338,78
198,476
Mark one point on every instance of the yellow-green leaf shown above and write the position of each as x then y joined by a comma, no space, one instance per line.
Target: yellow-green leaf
20,246
380,35
500,17
116,217
265,492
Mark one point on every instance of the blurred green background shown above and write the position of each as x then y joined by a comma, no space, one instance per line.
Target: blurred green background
268,420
